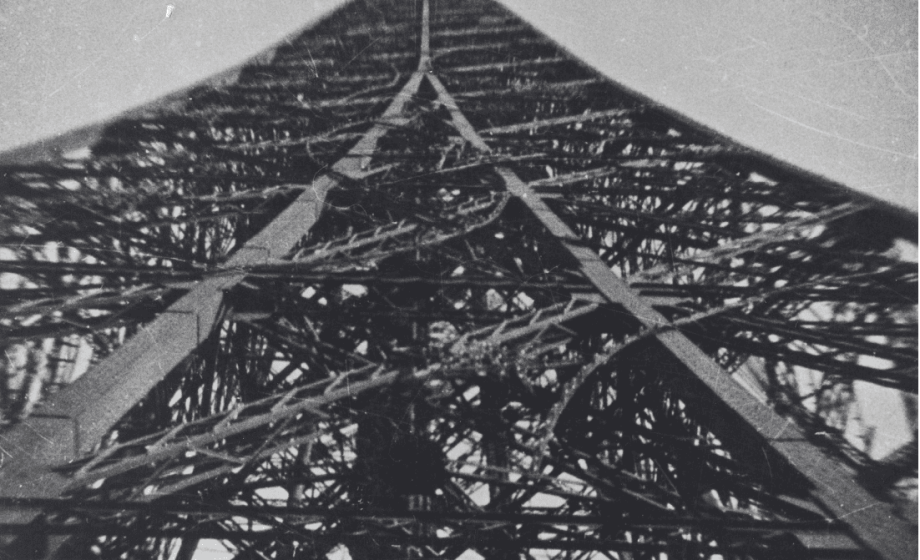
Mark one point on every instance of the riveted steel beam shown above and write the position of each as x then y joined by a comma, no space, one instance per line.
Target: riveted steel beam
833,485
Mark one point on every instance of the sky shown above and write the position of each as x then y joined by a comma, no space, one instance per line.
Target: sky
72,63
827,85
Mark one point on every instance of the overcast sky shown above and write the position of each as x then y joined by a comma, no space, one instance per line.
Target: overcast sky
828,85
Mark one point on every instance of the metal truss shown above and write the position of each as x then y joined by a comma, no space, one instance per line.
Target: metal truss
424,286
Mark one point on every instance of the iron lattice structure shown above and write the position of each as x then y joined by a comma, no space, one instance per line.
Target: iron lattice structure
424,286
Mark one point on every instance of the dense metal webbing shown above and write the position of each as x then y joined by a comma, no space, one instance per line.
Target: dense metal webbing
514,299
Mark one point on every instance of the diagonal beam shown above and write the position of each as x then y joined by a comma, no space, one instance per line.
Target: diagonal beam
833,485
84,411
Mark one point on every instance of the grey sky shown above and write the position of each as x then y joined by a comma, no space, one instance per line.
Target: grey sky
828,85
73,62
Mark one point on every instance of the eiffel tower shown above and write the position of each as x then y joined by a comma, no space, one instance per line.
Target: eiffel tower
422,285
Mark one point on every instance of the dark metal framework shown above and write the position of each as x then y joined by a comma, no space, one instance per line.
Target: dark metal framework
424,286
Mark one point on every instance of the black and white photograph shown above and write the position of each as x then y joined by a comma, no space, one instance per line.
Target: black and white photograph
458,280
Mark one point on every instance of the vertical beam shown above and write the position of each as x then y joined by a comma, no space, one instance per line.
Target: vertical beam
833,485
424,59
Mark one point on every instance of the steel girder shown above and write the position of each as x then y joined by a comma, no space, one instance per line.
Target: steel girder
413,333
